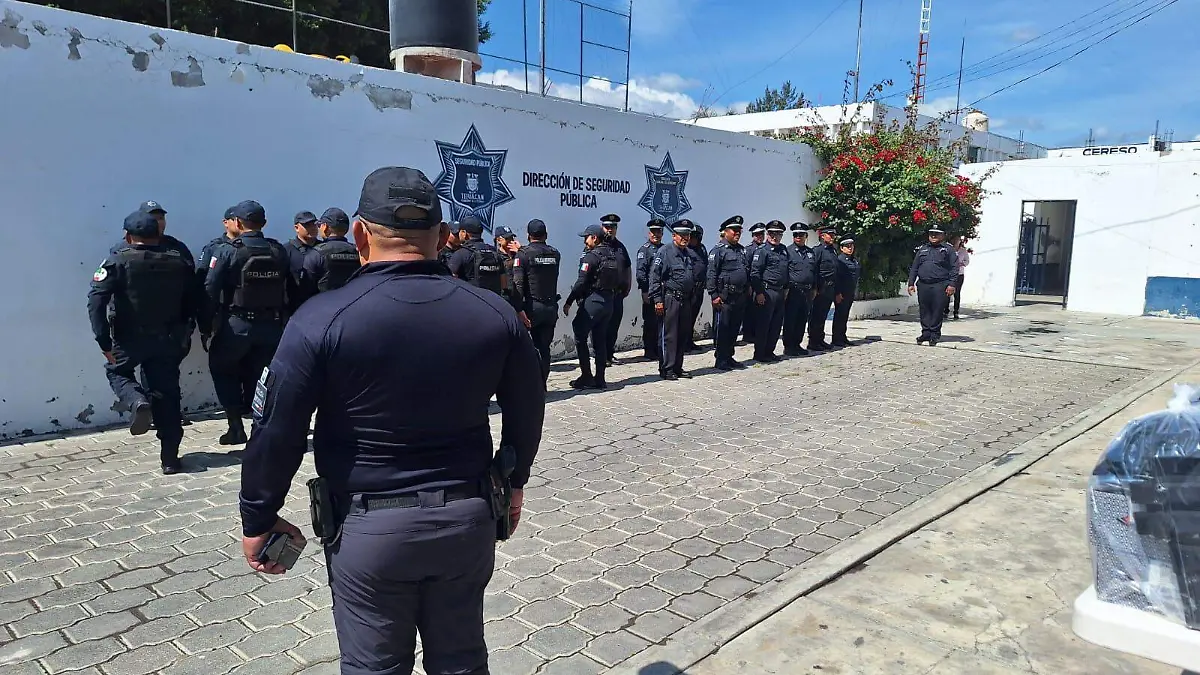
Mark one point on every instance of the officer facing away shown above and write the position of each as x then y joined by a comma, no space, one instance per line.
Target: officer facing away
931,277
152,289
769,278
672,282
758,234
331,263
845,286
596,290
825,257
610,223
415,541
728,285
476,261
248,288
645,258
535,275
451,243
307,228
802,273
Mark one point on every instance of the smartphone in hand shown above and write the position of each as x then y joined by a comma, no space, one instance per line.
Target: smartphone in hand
283,549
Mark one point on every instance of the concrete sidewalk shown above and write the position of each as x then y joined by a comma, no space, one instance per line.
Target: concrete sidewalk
986,589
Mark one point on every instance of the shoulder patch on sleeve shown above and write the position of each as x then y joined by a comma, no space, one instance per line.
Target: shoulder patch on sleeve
212,262
517,261
101,274
584,267
261,391
713,255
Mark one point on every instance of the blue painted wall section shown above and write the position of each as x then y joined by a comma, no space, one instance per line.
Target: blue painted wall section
1175,297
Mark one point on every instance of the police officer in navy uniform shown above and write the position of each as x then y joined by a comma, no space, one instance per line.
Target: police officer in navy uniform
535,276
506,243
845,286
802,273
611,222
165,240
758,233
416,548
154,297
769,279
700,255
332,262
249,288
476,261
596,289
307,229
645,258
826,264
672,282
728,284
451,243
931,277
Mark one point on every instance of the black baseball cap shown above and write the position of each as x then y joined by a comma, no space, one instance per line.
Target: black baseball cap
141,224
471,224
336,218
536,227
152,207
305,218
504,232
597,230
388,189
250,211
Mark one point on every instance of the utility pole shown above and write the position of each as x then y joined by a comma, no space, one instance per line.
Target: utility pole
958,97
858,53
542,45
922,52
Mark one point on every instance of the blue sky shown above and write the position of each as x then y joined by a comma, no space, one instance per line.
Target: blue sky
725,52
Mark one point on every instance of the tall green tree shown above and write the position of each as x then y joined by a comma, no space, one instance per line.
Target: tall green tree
783,98
268,27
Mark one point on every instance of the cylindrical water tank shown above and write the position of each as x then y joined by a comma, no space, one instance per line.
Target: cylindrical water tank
447,24
976,120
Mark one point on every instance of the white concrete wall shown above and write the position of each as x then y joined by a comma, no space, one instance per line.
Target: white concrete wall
1136,218
100,115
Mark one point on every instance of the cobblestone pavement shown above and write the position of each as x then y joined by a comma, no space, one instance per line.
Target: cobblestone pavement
653,503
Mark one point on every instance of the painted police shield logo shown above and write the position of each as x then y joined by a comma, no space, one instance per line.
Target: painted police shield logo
472,182
664,197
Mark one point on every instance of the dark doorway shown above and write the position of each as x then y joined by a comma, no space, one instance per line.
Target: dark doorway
1044,252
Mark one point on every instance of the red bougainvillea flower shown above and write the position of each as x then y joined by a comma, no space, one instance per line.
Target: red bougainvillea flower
921,161
893,220
919,216
953,213
839,187
824,215
862,206
859,163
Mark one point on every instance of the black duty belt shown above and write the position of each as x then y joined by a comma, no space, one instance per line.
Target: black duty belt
780,287
546,301
678,295
369,502
800,287
256,315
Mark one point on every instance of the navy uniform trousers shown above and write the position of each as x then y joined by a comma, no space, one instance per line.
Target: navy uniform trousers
237,356
650,329
697,303
819,312
770,323
841,317
397,572
728,321
932,299
543,318
157,356
795,317
673,333
750,322
592,319
614,327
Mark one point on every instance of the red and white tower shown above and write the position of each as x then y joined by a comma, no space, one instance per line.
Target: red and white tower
918,94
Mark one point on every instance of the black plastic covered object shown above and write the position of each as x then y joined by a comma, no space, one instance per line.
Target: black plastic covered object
452,24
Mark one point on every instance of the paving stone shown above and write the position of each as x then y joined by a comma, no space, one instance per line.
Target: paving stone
82,655
31,648
270,642
643,599
656,626
505,634
172,605
143,661
138,577
120,600
48,621
612,648
319,648
101,626
278,614
602,619
516,661
731,587
158,631
547,612
576,664
215,636
557,641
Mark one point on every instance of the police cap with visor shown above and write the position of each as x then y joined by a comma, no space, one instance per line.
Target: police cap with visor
141,224
683,227
775,226
734,222
387,191
536,227
250,211
656,224
757,227
799,228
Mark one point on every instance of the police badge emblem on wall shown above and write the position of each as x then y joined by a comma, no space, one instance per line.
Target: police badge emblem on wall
664,197
472,179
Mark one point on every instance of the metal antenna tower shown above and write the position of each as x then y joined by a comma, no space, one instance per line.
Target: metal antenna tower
922,52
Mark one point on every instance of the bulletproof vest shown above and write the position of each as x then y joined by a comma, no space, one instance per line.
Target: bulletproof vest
155,285
340,260
489,268
608,273
261,276
542,274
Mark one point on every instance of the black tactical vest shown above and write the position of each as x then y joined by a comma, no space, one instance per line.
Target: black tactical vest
155,285
542,275
261,275
489,267
608,274
340,260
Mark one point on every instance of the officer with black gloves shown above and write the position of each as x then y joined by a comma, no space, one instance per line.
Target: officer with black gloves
728,284
645,258
802,273
249,287
769,279
825,261
700,253
331,263
307,228
152,289
476,261
672,282
845,286
596,290
610,223
535,276
758,234
931,277
410,545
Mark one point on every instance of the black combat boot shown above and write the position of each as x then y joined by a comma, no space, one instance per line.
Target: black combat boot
169,457
237,433
140,418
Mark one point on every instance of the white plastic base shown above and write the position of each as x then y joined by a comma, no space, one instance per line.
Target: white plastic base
1135,632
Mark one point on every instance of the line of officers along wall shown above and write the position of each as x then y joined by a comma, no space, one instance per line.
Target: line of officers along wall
150,294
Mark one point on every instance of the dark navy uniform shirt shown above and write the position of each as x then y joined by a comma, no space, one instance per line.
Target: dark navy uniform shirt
297,254
645,258
825,260
700,258
728,272
589,269
384,360
846,279
802,267
934,264
769,267
673,271
166,241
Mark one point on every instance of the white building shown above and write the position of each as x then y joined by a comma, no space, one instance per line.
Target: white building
1106,151
983,146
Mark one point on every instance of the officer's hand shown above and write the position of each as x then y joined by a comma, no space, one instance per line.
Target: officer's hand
659,309
110,357
524,319
204,341
912,289
566,309
837,299
514,509
761,299
252,545
949,290
717,302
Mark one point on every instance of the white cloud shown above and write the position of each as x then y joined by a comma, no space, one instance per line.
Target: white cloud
938,106
656,95
1196,138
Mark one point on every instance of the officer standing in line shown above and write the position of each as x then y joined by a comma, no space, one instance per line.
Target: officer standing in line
153,292
700,253
332,262
845,286
826,264
596,290
610,223
249,288
728,283
802,273
414,547
645,258
936,267
205,312
535,276
476,261
672,282
769,278
298,248
758,232
452,244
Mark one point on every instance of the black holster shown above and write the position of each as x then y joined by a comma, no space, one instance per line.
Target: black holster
326,526
499,489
